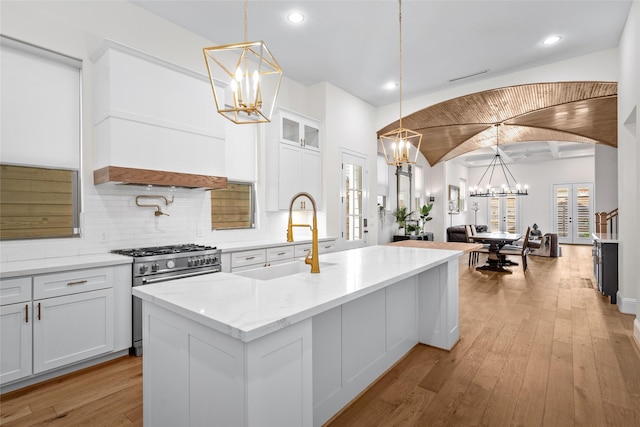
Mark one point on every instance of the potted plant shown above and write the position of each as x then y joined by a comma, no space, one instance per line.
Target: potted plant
424,213
401,215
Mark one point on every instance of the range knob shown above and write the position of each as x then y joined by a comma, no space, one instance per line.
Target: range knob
144,268
190,262
155,266
171,263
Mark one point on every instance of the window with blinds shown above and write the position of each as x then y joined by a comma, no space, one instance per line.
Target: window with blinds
40,132
38,202
232,207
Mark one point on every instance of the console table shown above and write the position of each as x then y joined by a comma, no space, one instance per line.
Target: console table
424,236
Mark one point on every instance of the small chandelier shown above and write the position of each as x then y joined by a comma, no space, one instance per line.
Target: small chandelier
509,187
401,146
253,76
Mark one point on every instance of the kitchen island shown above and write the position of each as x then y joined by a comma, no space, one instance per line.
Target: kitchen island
231,350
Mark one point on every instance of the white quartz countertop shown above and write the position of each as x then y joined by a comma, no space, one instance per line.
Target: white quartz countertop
248,309
261,244
54,265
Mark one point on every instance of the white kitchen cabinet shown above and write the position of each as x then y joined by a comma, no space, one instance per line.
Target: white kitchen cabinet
280,254
15,341
294,161
72,328
55,320
259,257
16,318
299,170
295,129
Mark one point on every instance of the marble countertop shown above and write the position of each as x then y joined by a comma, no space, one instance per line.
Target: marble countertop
54,265
247,308
262,244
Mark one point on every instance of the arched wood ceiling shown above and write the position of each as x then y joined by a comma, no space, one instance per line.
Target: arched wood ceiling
564,111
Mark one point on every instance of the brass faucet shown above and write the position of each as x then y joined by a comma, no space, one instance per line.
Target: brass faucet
312,257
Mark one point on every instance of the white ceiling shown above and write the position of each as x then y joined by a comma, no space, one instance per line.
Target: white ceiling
354,44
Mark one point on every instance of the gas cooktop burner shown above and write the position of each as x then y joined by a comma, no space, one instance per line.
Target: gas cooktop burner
164,250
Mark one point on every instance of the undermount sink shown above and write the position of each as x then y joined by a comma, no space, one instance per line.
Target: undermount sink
281,270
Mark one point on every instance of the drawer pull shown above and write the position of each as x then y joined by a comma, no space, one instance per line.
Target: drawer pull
327,247
79,282
26,317
39,313
281,253
250,258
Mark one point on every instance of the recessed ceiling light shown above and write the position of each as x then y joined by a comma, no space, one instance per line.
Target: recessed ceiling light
551,40
390,85
295,17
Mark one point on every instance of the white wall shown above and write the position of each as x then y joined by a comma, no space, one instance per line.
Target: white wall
348,126
628,163
110,219
606,178
537,207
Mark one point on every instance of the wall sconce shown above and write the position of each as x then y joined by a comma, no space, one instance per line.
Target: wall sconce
432,199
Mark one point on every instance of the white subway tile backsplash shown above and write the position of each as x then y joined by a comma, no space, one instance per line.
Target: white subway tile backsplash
111,220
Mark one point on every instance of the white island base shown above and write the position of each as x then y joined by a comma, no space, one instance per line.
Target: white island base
291,372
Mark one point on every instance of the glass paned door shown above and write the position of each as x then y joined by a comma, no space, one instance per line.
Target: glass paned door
573,212
353,200
503,214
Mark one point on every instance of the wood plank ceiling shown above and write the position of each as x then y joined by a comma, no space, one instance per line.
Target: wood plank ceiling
584,112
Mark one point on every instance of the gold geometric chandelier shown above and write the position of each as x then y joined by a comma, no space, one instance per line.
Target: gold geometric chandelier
251,77
401,146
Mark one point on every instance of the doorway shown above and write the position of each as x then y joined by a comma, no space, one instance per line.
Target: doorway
573,212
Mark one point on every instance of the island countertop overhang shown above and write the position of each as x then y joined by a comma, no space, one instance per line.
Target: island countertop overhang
248,309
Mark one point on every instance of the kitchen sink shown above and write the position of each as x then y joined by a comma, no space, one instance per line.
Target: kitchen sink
281,270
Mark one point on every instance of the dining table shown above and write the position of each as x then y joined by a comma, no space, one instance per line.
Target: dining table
496,241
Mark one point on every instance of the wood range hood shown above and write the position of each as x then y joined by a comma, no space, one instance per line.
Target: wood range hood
134,176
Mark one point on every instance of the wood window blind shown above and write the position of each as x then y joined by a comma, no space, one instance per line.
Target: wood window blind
36,202
232,207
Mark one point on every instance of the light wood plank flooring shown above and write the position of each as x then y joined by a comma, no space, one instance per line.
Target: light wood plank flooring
541,348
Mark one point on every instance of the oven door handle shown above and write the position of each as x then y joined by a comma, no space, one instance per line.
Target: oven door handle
177,276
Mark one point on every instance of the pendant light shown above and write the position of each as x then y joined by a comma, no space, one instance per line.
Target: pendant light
401,146
509,187
250,79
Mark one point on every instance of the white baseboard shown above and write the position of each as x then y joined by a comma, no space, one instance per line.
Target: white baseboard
626,305
636,331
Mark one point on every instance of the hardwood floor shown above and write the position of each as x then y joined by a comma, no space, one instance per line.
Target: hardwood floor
541,348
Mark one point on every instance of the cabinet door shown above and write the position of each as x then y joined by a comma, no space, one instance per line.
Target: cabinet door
311,135
15,341
71,328
312,176
290,130
290,171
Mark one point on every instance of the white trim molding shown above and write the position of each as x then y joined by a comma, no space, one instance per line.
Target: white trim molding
636,331
626,305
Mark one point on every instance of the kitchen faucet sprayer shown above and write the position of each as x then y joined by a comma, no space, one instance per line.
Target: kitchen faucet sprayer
312,257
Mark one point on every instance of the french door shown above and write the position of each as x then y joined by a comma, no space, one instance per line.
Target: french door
573,212
353,199
503,214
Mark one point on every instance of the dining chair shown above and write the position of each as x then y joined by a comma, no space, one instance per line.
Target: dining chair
517,250
474,256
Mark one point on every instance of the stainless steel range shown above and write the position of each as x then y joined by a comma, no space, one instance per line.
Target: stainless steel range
162,263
